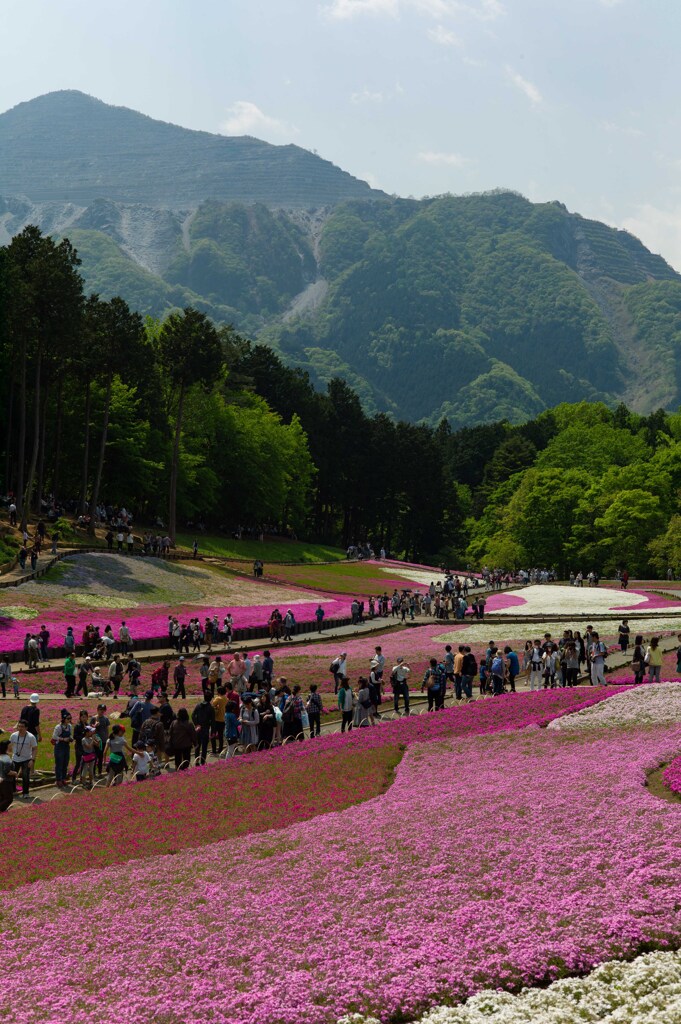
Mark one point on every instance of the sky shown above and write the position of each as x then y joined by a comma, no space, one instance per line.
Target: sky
575,100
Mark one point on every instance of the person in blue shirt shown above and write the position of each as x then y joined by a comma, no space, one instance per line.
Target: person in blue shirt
497,673
513,666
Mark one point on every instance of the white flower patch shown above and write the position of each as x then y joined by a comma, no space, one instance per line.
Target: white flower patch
422,576
118,581
649,704
550,600
646,991
17,611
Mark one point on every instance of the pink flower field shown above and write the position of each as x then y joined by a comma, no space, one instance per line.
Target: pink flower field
473,870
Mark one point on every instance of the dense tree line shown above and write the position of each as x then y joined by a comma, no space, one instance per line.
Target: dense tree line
182,421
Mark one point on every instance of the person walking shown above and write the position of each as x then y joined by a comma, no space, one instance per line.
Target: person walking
319,616
116,747
339,670
399,678
23,746
179,678
638,659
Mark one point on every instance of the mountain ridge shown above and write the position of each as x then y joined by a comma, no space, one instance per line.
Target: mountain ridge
472,308
66,145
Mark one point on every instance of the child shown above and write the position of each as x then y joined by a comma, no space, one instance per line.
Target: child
154,765
15,687
140,762
483,675
90,744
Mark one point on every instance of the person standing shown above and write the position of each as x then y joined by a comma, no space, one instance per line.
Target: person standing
339,669
203,718
432,682
101,725
623,632
70,675
638,659
182,740
399,678
124,637
468,670
345,704
653,660
219,704
116,746
250,722
23,745
513,666
62,738
314,711
319,616
598,650
179,678
5,673
536,663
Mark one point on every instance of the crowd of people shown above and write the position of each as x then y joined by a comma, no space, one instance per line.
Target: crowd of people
245,706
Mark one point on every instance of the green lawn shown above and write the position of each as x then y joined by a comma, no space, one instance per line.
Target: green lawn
343,578
270,551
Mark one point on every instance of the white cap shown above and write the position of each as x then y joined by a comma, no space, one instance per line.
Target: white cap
181,658
34,698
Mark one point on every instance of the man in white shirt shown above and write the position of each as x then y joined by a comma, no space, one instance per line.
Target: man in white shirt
340,670
399,678
378,662
23,746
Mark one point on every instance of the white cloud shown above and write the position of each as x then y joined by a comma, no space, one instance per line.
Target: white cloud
530,90
245,118
446,159
659,230
482,10
342,10
367,96
618,129
443,37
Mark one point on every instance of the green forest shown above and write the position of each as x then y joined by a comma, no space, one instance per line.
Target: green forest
183,421
472,308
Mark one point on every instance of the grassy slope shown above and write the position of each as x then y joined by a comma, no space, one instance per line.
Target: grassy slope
268,551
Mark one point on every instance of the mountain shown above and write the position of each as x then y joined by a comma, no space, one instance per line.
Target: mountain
70,147
470,307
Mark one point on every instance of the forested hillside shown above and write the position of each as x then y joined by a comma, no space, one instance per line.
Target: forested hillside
473,308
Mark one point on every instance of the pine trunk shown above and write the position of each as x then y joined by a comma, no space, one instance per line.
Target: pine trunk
175,469
86,450
102,452
28,496
57,443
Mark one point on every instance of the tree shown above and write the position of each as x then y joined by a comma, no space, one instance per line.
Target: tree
120,338
190,351
45,308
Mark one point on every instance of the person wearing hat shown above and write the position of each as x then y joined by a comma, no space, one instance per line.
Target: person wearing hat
179,677
399,678
101,725
31,715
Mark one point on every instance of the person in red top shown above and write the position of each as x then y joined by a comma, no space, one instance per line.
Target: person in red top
232,695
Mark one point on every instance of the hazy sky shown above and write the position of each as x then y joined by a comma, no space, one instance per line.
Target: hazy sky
576,100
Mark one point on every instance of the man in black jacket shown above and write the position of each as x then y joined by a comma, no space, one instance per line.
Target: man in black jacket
203,717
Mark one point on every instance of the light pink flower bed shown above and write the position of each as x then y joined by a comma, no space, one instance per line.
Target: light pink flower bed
493,861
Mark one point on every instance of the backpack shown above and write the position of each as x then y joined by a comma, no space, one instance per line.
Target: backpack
334,666
136,715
